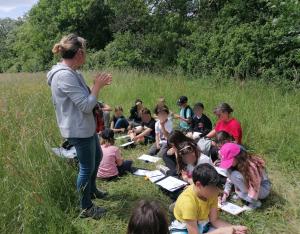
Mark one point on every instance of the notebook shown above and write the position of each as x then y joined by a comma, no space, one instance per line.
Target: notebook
232,208
154,176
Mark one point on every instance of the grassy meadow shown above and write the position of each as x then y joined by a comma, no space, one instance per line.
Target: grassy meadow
38,189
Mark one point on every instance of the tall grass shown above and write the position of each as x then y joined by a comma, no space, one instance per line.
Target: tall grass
38,189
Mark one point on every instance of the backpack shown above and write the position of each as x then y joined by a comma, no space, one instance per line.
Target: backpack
185,113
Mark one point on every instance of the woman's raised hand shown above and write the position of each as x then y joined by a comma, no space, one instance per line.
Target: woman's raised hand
103,79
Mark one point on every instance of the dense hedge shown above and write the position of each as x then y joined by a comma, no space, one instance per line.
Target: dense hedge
233,38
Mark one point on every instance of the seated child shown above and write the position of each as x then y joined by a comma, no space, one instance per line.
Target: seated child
188,157
106,113
186,113
163,127
161,102
198,204
200,122
146,134
112,164
175,138
135,113
221,138
148,217
247,173
119,123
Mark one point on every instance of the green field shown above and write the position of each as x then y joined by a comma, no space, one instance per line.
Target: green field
38,189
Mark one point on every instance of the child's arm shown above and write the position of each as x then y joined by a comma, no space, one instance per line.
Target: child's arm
184,176
227,189
211,134
146,132
106,108
192,227
230,230
176,116
215,220
119,159
164,130
157,139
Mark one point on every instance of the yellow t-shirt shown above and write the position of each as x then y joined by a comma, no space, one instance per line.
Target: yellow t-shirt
190,207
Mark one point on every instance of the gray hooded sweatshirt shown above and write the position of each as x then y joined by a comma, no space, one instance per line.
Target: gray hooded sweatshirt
72,102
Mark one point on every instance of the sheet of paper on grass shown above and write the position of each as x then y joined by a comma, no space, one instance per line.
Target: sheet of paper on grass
127,144
140,172
221,171
196,135
61,152
154,176
122,137
171,183
149,158
232,208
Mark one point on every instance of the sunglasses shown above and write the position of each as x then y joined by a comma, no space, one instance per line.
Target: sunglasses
187,149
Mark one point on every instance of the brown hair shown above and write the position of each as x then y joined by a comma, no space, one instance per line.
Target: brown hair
107,141
69,45
243,160
223,107
183,149
163,109
146,111
148,218
118,108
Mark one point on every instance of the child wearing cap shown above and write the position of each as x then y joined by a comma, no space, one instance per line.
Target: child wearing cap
247,173
112,164
197,205
163,128
186,113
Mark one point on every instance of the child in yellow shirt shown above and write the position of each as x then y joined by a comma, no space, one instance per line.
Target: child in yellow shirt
198,205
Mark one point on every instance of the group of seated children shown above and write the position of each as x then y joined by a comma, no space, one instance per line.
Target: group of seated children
192,159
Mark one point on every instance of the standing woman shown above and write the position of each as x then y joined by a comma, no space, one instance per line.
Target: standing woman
74,103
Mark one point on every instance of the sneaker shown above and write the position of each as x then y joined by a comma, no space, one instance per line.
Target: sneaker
94,212
254,205
163,169
99,194
235,197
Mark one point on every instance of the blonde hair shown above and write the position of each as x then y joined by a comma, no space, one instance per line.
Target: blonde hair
118,108
69,45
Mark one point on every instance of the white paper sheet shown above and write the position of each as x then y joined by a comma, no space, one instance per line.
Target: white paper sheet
232,208
126,144
122,137
171,183
140,172
149,158
221,171
61,152
154,176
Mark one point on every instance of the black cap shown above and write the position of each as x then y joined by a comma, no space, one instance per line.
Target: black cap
182,100
108,134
